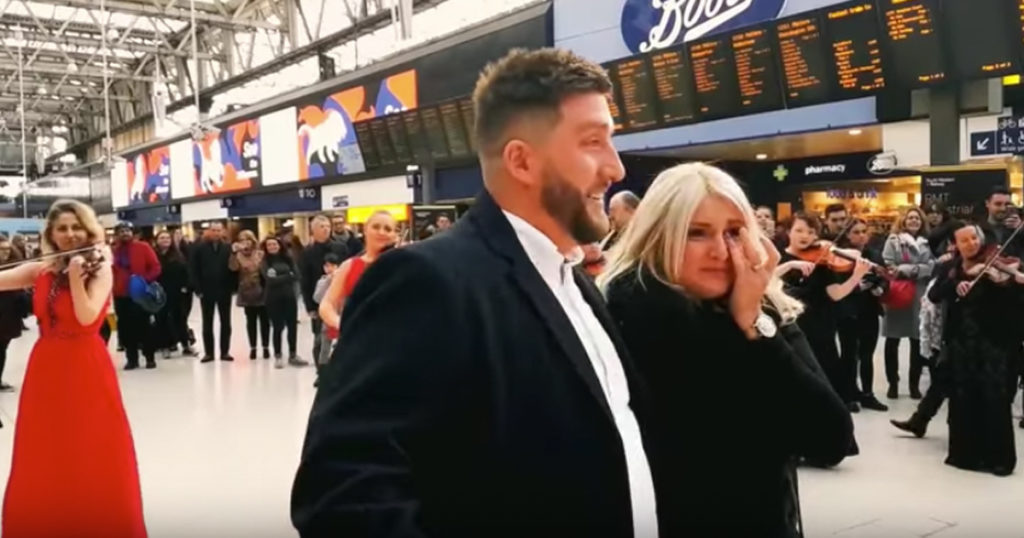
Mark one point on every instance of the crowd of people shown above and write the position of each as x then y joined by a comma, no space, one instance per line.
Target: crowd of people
543,367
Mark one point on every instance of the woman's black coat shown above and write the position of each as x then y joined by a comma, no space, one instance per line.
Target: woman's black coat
733,415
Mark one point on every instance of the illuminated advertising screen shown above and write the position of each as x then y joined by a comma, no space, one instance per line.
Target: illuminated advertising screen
148,177
228,161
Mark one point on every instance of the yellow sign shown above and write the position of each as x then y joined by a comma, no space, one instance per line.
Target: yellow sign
359,215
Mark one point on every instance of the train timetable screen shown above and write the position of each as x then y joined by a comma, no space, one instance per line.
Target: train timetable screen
469,120
856,48
638,94
433,127
714,76
805,61
379,131
756,74
396,130
451,119
911,37
674,84
983,44
414,131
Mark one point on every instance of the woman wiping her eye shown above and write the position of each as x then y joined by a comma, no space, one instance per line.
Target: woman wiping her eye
692,286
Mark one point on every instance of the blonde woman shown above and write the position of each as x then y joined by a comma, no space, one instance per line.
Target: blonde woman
247,259
73,468
691,285
907,251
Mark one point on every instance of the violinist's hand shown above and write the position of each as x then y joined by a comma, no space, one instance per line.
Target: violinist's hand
945,257
76,267
963,288
753,273
861,268
805,268
1018,277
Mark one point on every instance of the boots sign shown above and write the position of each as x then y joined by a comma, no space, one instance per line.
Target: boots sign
656,24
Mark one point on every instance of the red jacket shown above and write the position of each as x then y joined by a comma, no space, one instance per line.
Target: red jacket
133,258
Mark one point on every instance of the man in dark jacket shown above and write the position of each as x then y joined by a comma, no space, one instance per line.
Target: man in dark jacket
341,233
312,268
479,388
134,325
214,283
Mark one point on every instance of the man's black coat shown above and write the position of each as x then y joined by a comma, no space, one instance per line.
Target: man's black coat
460,402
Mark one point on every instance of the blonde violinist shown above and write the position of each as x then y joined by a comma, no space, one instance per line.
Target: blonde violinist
70,398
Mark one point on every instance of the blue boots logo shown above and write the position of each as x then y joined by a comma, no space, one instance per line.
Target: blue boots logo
656,24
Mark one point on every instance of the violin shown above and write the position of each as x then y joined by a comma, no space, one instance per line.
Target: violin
94,258
840,260
995,267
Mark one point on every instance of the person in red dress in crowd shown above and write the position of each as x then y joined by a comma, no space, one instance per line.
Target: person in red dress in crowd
73,469
380,234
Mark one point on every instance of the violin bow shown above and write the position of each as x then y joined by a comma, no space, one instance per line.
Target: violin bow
82,250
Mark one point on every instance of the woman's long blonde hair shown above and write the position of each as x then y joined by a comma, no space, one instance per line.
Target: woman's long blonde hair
900,225
656,237
86,217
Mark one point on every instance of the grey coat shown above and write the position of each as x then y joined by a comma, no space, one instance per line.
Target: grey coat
912,259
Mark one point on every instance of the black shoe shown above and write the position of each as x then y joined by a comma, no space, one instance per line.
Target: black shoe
1002,471
914,426
4,387
252,354
1021,424
150,364
227,358
131,366
188,352
207,358
868,401
316,383
893,392
854,407
266,353
915,393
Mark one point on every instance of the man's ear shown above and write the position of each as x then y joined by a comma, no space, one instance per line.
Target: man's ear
519,160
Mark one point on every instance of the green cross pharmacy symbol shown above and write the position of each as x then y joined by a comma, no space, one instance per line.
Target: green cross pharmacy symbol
780,173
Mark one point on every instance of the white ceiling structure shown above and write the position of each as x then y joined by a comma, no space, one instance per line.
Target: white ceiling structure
81,66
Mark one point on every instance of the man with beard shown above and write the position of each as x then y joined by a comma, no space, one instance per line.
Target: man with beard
341,233
491,397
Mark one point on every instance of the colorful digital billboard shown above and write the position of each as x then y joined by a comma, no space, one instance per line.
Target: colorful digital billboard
148,176
228,161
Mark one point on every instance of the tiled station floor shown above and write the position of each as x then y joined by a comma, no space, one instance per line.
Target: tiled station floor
218,445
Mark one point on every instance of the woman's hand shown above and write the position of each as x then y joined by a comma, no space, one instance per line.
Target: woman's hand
945,257
76,267
753,273
861,269
805,268
963,288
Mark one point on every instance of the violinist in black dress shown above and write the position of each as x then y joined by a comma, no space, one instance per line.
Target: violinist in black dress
981,336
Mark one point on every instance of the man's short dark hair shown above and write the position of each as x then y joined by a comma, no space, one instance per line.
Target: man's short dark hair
998,190
332,258
530,82
834,208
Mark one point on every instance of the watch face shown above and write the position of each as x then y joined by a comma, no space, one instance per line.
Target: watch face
766,326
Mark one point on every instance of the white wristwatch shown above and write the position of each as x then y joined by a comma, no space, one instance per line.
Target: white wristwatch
765,326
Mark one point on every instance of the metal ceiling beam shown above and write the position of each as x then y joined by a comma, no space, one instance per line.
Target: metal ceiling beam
26,22
171,12
128,45
62,69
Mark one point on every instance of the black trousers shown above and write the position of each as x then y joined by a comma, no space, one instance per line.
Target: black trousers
105,332
892,361
257,316
284,314
134,329
4,344
223,307
937,392
172,322
318,337
858,338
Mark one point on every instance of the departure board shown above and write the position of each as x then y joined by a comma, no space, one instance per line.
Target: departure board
367,145
637,86
853,35
674,84
399,140
983,42
434,129
616,97
469,120
912,42
714,76
451,118
806,68
756,73
379,130
417,139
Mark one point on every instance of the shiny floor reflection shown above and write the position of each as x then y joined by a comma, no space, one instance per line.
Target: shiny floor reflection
218,445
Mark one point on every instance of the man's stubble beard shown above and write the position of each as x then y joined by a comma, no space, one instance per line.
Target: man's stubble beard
566,206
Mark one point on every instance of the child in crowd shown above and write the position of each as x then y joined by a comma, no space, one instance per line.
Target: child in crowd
328,335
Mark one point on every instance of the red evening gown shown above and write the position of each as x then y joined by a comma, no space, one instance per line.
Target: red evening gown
73,472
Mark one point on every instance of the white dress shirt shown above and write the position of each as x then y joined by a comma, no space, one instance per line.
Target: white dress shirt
557,273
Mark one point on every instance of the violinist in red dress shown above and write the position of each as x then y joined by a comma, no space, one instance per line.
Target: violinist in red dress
73,472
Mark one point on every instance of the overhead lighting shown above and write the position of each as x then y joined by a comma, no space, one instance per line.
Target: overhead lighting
41,90
762,156
75,82
855,132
